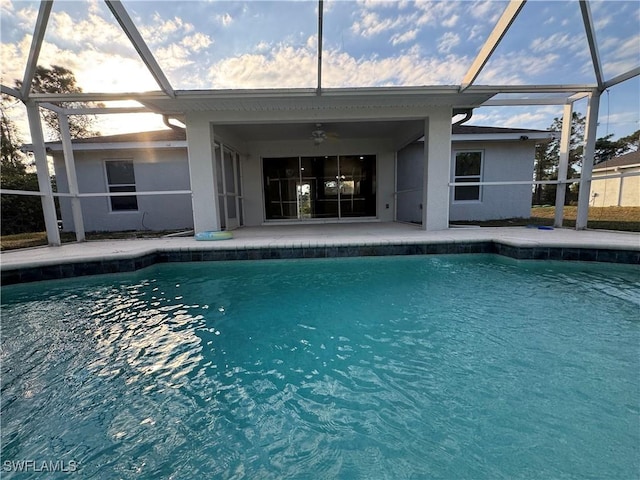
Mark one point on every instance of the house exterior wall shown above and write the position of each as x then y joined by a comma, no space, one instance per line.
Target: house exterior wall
253,190
410,177
622,192
155,170
168,169
502,161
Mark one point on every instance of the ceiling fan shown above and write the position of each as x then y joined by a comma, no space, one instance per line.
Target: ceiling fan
319,135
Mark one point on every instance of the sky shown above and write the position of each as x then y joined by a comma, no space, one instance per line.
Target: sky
205,44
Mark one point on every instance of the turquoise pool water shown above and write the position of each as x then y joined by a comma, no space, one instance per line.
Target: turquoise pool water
452,367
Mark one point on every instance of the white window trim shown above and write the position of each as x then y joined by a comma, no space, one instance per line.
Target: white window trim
108,185
480,177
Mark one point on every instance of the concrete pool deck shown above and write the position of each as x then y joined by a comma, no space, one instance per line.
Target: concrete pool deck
317,240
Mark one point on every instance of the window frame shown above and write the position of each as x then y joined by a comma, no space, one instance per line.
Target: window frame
471,178
109,186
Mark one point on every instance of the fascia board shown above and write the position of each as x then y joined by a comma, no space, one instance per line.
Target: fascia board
489,137
86,147
619,167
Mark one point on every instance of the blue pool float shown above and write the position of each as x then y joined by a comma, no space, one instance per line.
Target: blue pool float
213,235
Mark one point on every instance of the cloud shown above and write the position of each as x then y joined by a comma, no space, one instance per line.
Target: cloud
13,58
159,30
537,118
196,42
283,67
438,13
629,48
343,70
475,32
448,41
559,41
602,22
451,21
405,37
6,8
225,19
517,68
288,67
94,49
371,4
371,24
487,10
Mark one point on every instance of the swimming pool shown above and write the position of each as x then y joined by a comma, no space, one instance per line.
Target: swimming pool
465,366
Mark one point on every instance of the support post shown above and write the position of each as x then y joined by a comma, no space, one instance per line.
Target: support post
202,173
437,161
563,166
42,169
72,178
584,195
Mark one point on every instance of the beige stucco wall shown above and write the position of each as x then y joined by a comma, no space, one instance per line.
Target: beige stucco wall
622,192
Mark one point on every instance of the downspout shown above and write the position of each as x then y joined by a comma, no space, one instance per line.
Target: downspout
468,113
165,120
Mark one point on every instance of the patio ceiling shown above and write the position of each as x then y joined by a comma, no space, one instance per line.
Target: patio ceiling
318,79
400,132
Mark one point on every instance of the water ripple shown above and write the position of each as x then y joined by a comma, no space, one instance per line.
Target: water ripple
358,368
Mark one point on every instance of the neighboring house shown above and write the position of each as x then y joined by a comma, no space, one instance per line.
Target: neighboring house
279,181
623,188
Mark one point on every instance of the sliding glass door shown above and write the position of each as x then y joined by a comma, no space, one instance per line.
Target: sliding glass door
227,164
297,188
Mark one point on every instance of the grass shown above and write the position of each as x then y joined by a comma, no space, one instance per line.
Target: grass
24,240
604,218
625,219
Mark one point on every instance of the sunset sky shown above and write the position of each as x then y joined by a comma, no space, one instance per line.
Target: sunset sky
266,44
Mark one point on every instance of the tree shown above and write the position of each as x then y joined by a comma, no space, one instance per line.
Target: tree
548,158
61,80
606,149
12,157
19,213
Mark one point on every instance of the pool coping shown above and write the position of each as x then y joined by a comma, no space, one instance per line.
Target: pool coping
141,254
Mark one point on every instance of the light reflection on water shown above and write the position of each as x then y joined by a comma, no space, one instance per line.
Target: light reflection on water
436,367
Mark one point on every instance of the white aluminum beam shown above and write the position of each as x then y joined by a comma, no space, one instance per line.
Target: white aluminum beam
44,179
622,78
320,15
587,19
72,178
508,16
96,97
552,88
563,166
308,93
36,44
11,91
52,107
584,194
139,44
27,193
509,102
577,96
105,110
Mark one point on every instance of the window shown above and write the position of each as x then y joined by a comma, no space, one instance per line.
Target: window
121,178
467,168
